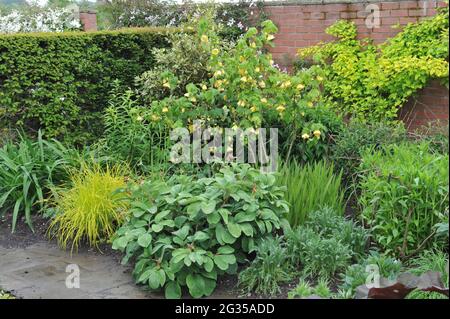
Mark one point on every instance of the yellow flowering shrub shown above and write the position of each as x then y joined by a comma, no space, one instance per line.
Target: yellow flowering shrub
246,89
371,82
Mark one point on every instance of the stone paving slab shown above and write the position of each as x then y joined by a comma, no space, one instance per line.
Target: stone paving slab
39,271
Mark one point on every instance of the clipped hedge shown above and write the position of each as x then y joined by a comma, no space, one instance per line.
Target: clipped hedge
60,82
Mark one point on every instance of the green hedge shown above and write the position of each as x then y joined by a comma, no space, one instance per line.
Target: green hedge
60,82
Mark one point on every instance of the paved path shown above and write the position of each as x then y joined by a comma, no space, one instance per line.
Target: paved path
39,271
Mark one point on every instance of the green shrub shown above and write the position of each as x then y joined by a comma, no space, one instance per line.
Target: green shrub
371,82
302,290
357,274
131,136
310,187
268,270
326,223
316,255
60,82
355,138
429,260
404,194
28,169
188,231
91,208
436,133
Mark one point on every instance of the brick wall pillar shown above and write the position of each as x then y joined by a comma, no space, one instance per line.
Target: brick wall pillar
88,20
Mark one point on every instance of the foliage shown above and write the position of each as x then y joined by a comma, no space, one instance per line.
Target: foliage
128,137
245,88
28,169
357,274
5,295
327,223
234,18
187,231
404,193
355,138
36,19
60,82
371,82
433,260
185,61
436,133
319,256
267,270
304,290
91,208
310,187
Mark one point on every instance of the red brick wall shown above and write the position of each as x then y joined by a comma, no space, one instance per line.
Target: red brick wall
88,20
302,25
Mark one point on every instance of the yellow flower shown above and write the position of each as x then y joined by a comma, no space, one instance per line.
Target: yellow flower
302,113
319,78
253,108
253,45
257,69
317,133
166,84
310,104
182,110
165,110
281,108
241,103
215,51
193,99
262,84
139,118
225,97
241,59
155,117
305,136
244,79
271,62
204,38
263,100
204,87
300,87
186,94
285,84
270,37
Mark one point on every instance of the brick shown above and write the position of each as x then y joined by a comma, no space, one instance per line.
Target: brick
389,21
409,5
348,15
338,7
390,5
356,7
399,13
403,21
333,15
416,13
317,16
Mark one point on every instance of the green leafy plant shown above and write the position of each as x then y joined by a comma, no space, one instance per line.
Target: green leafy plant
429,260
28,169
268,270
302,290
371,82
327,223
357,274
354,139
310,187
187,231
404,192
65,78
317,256
91,208
129,136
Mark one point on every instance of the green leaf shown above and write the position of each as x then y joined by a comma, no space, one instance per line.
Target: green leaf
173,290
234,229
196,285
144,240
157,228
120,243
209,207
